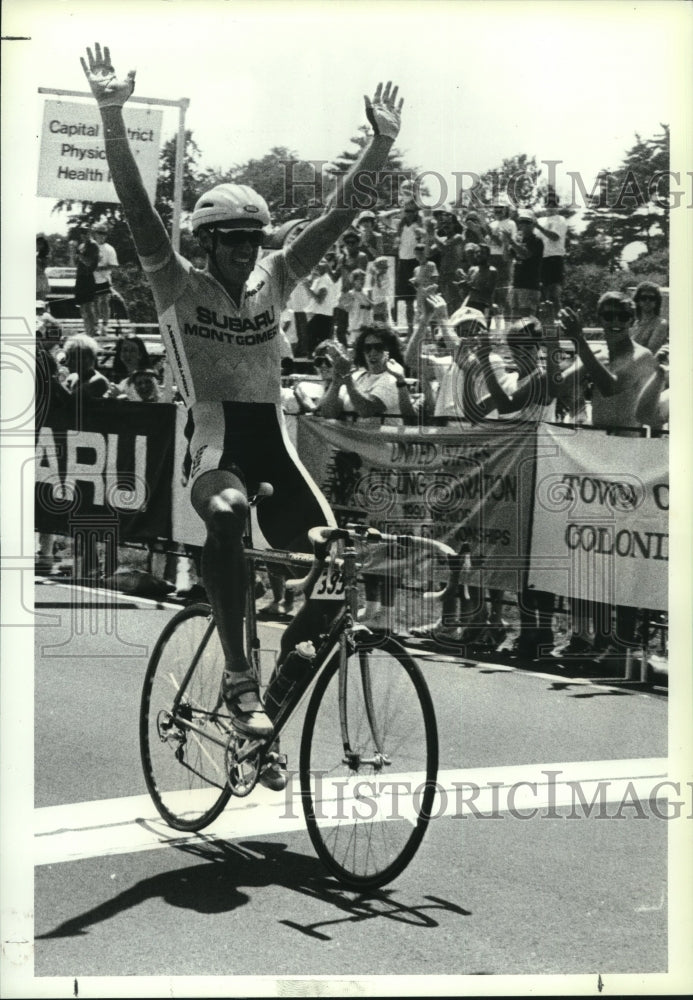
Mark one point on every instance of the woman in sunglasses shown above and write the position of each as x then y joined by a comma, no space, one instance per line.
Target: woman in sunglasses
650,329
373,387
309,394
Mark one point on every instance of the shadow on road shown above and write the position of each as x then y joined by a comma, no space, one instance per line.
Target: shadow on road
215,887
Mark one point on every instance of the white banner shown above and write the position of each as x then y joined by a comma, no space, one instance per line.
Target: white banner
72,163
600,522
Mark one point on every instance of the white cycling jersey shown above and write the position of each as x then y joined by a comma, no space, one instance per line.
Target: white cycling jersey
219,350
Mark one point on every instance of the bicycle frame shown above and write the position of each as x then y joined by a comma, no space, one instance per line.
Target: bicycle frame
338,638
368,709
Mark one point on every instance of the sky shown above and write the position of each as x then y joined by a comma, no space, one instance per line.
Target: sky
481,81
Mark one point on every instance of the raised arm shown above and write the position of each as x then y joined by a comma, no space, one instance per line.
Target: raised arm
412,352
384,115
111,93
439,317
530,390
605,381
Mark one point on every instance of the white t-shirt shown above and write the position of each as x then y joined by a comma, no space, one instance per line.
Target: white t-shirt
327,306
501,231
531,412
555,224
360,309
450,398
220,351
408,238
379,286
107,259
300,299
382,387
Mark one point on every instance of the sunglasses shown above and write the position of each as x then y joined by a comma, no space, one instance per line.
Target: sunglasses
372,346
646,298
322,363
611,315
237,237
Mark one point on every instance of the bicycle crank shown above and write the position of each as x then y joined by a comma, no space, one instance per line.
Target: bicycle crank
243,761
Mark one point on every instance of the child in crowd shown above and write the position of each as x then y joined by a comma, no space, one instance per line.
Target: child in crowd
424,277
380,290
358,306
84,381
480,281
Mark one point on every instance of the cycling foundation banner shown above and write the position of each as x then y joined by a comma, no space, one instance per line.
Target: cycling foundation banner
72,158
107,468
600,520
456,485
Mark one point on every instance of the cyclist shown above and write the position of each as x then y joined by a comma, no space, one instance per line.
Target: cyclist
221,330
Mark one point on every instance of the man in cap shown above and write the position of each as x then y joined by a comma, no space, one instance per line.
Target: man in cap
108,261
554,230
371,239
502,232
529,251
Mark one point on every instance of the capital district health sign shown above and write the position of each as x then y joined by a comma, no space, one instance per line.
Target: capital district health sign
72,162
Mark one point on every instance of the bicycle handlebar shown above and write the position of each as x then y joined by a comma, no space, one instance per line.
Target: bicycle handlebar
321,538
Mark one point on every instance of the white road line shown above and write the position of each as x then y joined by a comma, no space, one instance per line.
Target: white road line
82,830
108,594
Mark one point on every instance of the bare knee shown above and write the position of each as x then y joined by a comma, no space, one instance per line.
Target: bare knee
225,514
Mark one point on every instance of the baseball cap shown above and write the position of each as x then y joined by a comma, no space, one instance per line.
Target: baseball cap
465,315
524,215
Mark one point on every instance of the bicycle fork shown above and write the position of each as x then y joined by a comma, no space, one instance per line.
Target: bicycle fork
352,758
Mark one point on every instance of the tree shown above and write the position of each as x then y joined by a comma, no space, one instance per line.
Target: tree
165,185
518,180
287,183
630,204
385,191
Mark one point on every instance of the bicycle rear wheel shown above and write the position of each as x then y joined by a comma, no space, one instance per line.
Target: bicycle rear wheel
368,781
182,726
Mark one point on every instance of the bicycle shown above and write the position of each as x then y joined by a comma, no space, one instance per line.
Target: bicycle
369,729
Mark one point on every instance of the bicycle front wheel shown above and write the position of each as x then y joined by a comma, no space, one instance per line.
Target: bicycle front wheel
182,726
368,764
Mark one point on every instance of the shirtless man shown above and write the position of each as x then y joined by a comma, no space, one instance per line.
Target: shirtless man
616,388
616,393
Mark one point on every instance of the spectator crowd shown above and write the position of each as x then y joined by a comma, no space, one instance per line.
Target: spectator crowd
449,317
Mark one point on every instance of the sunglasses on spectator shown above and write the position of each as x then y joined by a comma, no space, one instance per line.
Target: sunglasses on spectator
610,315
373,345
322,362
237,237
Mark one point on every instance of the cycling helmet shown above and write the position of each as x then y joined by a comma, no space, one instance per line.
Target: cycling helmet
235,205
